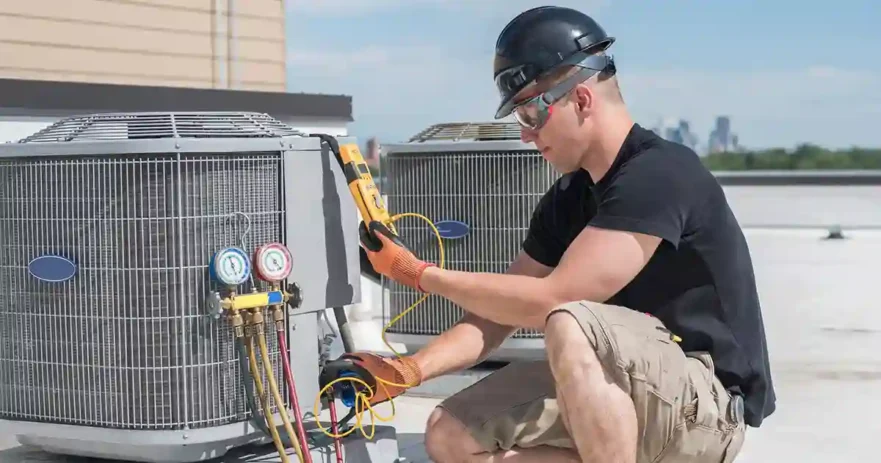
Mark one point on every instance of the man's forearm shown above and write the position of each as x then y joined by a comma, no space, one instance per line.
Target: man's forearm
513,300
464,345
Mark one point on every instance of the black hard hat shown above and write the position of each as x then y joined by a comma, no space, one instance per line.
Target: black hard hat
538,41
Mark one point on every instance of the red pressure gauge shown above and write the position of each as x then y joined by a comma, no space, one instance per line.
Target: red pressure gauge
272,262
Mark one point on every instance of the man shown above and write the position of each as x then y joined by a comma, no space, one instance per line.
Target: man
633,266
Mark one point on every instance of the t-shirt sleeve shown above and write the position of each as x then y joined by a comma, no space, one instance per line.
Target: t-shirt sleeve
541,242
650,195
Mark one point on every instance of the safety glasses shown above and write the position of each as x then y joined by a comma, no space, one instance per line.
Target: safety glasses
535,112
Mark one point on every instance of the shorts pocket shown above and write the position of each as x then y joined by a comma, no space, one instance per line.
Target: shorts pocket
735,445
702,435
655,378
694,443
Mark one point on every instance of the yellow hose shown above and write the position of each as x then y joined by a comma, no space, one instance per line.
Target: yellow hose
362,399
264,401
257,319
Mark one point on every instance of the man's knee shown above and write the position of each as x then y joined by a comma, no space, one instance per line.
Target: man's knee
566,342
446,438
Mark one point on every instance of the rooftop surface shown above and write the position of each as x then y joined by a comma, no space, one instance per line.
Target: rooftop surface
821,417
824,330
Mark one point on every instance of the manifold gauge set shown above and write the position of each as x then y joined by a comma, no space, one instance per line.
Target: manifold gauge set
231,267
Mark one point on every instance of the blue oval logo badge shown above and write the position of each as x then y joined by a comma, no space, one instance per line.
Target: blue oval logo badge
52,269
452,229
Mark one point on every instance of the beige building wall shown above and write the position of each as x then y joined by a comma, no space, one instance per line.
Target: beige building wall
229,44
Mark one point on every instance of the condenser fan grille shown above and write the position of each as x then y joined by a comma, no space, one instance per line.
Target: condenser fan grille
134,126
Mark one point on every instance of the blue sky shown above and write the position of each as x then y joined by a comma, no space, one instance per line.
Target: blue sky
785,71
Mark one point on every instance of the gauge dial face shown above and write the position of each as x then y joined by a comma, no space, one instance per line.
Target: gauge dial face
273,262
231,266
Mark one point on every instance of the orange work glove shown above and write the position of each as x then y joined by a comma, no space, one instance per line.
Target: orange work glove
387,377
390,256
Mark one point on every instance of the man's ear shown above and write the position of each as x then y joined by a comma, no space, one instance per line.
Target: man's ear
584,97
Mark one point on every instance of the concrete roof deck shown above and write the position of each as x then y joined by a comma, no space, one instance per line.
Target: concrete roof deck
824,330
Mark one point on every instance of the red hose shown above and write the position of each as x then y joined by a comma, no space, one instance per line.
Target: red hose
292,391
331,401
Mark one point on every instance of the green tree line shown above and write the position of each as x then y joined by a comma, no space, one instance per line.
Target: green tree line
803,157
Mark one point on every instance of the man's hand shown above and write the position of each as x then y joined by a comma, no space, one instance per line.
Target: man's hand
390,256
387,377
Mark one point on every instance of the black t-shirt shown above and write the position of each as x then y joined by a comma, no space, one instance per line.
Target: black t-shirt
699,282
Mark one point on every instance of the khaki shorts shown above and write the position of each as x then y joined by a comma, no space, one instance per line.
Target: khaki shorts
683,411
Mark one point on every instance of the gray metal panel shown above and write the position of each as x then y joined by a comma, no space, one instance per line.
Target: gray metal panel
457,147
202,444
24,96
303,333
322,230
158,146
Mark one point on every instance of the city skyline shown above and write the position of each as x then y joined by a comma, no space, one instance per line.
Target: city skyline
721,137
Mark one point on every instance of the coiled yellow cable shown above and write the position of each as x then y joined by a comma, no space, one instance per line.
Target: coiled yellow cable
362,399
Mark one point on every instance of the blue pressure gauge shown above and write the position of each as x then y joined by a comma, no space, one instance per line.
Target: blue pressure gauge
230,266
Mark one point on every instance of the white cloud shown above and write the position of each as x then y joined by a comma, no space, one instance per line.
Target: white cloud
398,91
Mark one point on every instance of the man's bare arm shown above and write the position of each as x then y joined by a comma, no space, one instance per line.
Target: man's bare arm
597,264
473,338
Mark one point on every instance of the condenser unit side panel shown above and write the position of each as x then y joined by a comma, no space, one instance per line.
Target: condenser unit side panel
151,146
432,147
485,196
144,446
322,230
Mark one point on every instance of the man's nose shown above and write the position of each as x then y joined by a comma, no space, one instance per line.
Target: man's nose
527,135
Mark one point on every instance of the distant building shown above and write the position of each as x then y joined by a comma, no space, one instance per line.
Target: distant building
191,44
371,154
721,138
677,132
95,56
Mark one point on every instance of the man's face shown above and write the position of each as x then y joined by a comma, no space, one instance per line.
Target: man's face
560,138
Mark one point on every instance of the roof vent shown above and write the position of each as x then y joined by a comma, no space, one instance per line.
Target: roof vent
835,233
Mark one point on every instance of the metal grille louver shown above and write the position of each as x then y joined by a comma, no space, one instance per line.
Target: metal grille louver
493,186
127,344
469,131
133,126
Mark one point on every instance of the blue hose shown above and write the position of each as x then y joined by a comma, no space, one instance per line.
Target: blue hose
347,390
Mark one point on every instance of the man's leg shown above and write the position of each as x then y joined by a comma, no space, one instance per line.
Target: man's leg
599,415
509,416
678,410
448,440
